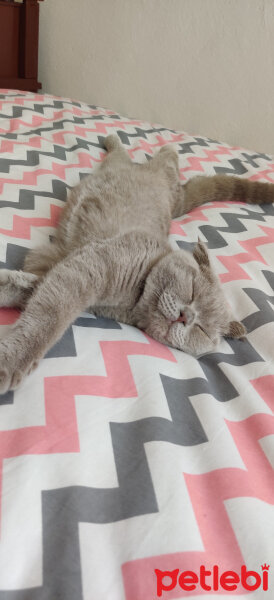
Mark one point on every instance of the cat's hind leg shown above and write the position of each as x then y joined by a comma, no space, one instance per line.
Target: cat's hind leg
16,287
167,155
112,142
167,160
169,149
115,150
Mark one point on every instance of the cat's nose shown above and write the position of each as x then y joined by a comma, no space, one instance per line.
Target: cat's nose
188,315
182,318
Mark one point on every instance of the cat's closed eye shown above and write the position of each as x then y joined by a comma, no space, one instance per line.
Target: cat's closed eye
202,329
193,293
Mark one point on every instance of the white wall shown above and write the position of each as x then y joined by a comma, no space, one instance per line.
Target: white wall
204,66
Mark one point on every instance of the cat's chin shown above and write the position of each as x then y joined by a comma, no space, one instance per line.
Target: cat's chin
191,340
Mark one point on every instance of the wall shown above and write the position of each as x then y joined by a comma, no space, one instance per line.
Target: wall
204,66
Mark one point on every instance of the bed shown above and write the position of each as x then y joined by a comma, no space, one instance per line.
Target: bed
128,467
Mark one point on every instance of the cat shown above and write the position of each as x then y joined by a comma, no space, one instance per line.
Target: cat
111,255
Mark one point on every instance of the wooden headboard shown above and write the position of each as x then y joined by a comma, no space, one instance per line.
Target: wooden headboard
19,29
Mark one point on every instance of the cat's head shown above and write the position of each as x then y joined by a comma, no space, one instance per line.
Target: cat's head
185,306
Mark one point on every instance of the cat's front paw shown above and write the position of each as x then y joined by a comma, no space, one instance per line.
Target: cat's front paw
5,380
4,276
15,287
11,373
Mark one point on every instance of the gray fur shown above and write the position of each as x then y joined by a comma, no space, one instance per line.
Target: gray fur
111,254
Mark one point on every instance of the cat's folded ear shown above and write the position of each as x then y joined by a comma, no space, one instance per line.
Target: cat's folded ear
201,255
235,330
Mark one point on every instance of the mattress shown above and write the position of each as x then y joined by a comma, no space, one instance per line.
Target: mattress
131,470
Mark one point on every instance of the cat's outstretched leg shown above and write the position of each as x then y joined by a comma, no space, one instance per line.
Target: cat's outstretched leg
16,287
167,161
68,288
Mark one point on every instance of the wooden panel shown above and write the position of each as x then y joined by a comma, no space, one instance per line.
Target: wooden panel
9,39
19,30
29,39
19,83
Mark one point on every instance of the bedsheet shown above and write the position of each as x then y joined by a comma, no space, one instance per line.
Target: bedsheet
130,470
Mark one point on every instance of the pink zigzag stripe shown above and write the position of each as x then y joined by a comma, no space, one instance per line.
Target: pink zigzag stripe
99,127
33,142
37,120
231,263
149,147
22,100
30,177
196,214
22,225
264,386
57,137
264,175
36,98
208,493
211,155
60,432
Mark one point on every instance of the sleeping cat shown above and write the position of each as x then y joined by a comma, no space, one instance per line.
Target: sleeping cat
111,254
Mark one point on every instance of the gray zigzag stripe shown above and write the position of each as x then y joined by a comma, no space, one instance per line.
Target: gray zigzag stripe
33,156
135,495
101,322
5,96
220,386
265,314
237,167
251,158
126,137
7,398
17,111
27,197
56,125
54,103
15,256
269,275
66,345
234,225
187,147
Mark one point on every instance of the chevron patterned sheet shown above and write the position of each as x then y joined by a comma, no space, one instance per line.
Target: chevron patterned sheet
125,463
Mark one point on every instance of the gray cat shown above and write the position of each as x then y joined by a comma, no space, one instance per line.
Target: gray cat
111,254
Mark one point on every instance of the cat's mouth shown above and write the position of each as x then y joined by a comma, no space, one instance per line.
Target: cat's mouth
181,319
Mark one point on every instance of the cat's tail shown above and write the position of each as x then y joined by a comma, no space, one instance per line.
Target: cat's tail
222,188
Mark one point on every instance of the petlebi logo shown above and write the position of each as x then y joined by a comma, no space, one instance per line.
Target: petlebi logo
211,580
